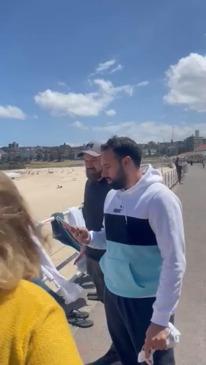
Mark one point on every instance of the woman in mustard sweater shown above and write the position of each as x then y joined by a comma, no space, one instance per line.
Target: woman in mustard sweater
33,328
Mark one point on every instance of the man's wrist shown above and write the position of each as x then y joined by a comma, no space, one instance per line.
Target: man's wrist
162,319
158,326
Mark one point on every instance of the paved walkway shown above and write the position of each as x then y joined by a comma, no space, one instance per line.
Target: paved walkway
191,316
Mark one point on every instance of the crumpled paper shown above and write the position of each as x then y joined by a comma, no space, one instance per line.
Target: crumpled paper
172,340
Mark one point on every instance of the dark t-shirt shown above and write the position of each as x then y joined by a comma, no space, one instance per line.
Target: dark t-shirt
93,210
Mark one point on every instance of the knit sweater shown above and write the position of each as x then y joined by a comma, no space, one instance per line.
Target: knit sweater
34,330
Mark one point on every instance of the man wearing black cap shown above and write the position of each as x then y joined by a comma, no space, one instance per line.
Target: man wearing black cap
96,189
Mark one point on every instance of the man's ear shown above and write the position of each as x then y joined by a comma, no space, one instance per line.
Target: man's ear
126,161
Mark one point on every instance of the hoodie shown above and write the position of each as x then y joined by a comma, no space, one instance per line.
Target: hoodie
145,244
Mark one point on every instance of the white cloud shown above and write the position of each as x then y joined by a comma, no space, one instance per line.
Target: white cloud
61,83
110,112
187,83
143,83
79,125
82,104
107,87
104,66
11,112
119,67
110,66
149,130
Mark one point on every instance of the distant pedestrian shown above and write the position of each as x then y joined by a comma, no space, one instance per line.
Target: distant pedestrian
178,169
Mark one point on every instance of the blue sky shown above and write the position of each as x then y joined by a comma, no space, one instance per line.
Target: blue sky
72,71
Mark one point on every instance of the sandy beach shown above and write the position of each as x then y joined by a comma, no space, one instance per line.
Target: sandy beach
50,190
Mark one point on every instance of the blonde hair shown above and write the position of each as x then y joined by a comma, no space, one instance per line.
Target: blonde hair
19,258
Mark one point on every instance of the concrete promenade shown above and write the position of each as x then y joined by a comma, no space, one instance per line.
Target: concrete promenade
191,315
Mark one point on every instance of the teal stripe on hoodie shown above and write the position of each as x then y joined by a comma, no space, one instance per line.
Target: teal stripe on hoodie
131,271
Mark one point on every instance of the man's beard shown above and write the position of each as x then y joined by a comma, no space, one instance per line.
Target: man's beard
93,174
120,181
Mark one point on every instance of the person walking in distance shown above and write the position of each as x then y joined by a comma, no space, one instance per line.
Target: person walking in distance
179,169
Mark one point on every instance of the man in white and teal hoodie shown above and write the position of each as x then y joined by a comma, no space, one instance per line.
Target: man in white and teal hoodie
144,262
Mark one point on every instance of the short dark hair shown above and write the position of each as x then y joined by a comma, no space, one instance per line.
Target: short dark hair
122,147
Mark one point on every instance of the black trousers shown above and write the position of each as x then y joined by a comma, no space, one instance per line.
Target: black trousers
128,320
93,269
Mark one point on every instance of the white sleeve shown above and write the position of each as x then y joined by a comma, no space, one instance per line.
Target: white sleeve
98,240
165,217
